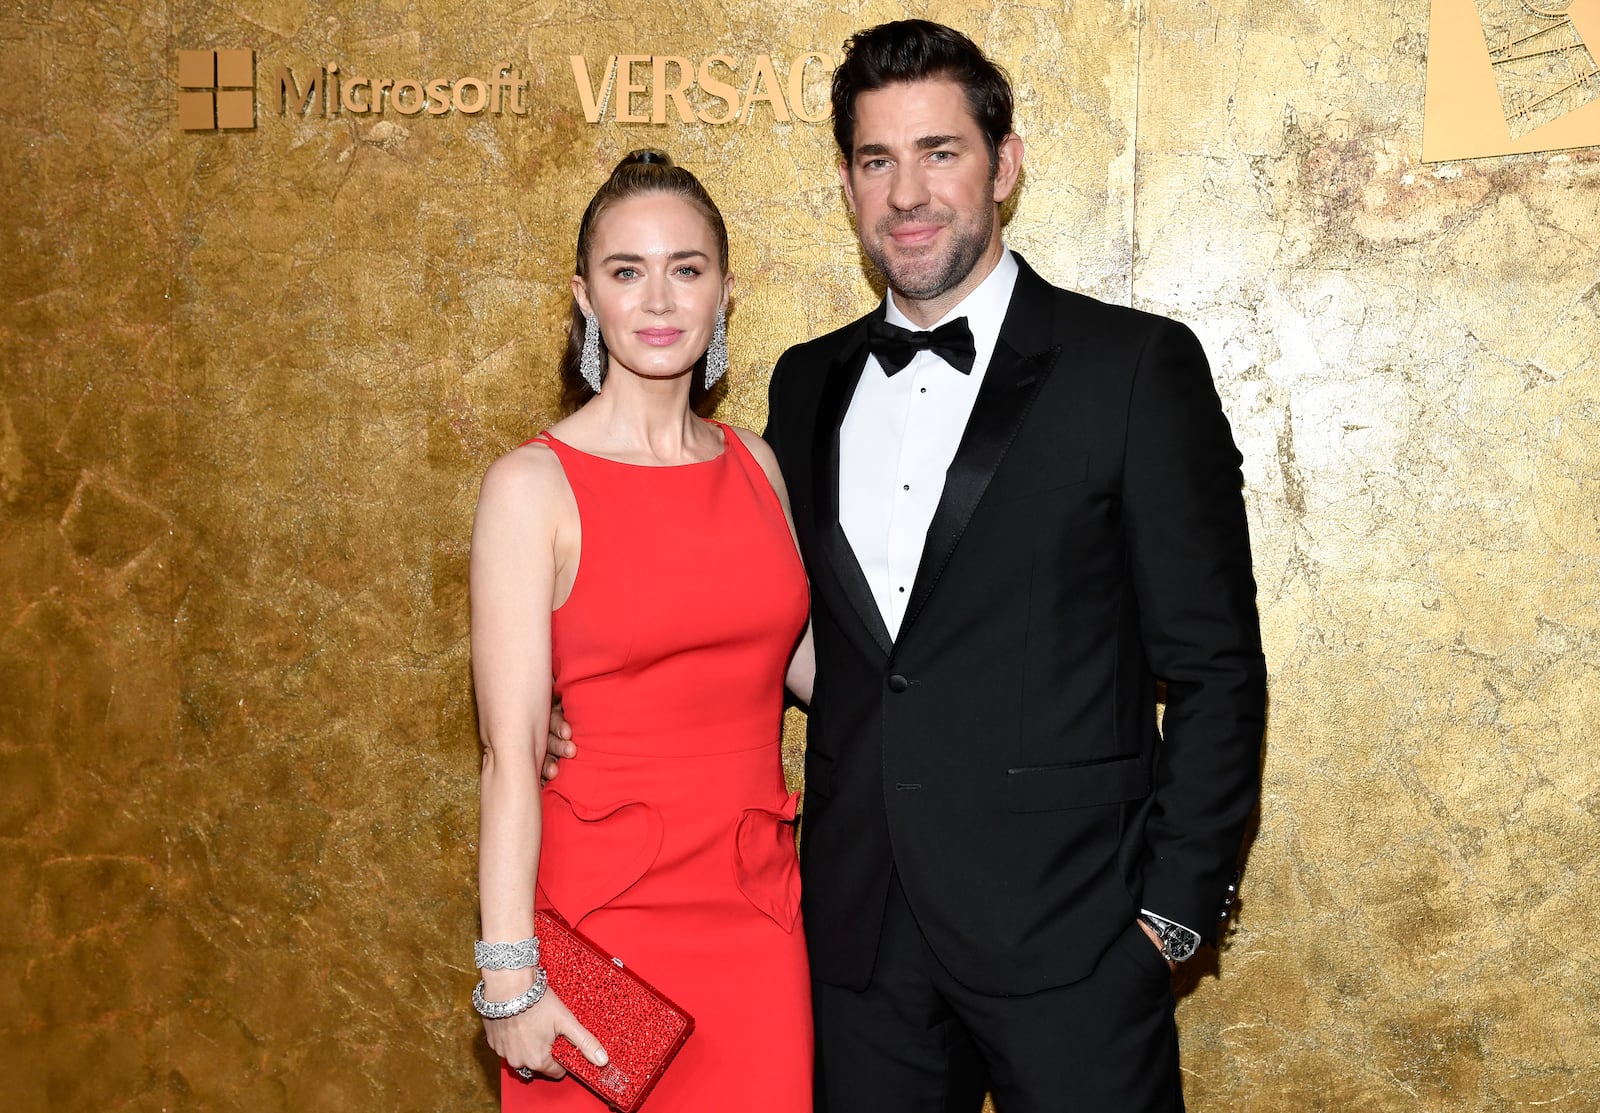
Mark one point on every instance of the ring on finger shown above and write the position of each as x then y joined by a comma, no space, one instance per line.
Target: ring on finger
524,1073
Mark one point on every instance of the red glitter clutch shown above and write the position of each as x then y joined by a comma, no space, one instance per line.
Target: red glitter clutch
639,1028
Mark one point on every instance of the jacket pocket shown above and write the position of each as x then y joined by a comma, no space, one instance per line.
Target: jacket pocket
765,864
1047,788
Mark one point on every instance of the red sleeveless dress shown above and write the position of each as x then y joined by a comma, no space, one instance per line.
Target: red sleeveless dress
669,839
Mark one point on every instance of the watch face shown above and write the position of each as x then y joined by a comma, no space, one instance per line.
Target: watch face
1179,945
1177,942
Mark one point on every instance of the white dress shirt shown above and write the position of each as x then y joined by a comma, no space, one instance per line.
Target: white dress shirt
898,439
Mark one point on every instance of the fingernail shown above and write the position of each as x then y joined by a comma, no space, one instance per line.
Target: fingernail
604,1058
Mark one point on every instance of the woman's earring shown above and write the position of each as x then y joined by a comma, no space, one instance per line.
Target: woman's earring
589,361
717,353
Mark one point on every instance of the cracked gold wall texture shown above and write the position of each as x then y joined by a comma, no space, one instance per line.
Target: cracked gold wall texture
251,380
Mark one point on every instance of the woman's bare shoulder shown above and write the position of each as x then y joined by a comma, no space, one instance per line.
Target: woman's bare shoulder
527,481
762,453
757,448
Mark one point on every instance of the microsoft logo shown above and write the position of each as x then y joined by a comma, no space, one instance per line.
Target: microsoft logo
216,89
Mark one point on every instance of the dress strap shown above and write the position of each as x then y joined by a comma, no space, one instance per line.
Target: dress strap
733,447
737,452
543,437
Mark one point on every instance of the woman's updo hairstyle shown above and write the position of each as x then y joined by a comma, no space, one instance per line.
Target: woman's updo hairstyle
642,172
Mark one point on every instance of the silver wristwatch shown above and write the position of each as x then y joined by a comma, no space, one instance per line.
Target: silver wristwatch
1177,941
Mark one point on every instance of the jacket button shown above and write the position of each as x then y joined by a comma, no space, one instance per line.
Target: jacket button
898,683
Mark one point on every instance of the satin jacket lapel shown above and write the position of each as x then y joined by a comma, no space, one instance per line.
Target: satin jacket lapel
838,388
1022,362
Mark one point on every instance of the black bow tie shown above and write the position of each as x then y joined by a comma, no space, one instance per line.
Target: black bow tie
895,346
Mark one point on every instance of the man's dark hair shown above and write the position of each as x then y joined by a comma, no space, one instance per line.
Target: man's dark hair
917,50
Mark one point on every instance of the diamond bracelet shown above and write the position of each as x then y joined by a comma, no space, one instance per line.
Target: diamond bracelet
500,1010
506,956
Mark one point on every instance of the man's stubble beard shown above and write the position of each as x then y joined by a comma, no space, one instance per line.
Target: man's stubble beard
905,278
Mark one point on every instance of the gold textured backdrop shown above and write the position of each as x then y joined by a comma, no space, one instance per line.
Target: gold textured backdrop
251,379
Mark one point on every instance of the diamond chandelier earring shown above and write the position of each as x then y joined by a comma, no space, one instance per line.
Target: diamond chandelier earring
589,361
717,353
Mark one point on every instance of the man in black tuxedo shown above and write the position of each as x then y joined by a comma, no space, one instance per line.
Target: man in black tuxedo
1019,508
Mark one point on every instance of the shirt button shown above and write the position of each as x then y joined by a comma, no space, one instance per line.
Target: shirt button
906,487
902,591
898,683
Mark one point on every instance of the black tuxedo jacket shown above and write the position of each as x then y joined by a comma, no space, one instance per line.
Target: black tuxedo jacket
1003,752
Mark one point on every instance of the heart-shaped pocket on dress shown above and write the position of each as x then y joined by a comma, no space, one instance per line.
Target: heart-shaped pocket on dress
765,863
590,856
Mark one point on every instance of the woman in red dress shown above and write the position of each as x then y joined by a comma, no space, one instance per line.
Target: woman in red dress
635,563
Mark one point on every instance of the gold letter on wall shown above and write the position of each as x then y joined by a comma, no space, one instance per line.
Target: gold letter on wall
720,90
626,89
797,89
773,93
287,85
658,66
593,99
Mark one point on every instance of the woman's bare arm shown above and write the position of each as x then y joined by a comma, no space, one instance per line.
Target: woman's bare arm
517,545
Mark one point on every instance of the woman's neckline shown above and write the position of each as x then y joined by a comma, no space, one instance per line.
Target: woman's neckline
726,434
